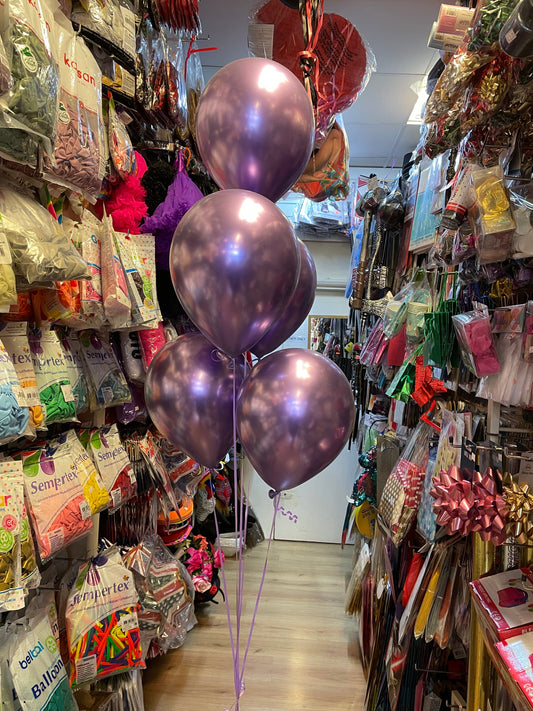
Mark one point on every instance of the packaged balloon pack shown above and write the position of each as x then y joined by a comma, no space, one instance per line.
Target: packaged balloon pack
112,462
107,379
14,415
55,388
75,370
59,511
11,521
37,671
117,303
102,624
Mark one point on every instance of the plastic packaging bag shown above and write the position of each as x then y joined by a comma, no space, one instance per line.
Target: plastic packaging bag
58,508
117,303
112,462
11,519
107,379
8,288
71,350
79,154
151,340
32,101
477,344
527,345
55,389
130,347
102,624
492,200
120,146
14,336
86,237
42,254
90,480
114,22
14,415
38,672
143,308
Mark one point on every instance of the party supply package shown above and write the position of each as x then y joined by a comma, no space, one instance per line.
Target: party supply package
102,624
505,602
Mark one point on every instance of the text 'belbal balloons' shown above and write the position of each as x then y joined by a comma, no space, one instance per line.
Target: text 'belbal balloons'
255,127
189,396
295,413
297,308
234,262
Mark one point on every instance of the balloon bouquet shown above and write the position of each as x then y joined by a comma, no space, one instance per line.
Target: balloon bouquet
247,283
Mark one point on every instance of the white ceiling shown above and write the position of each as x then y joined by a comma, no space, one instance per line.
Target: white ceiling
397,32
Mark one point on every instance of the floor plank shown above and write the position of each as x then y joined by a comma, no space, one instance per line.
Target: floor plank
303,655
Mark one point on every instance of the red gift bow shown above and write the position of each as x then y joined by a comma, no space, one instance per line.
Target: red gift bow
466,507
426,386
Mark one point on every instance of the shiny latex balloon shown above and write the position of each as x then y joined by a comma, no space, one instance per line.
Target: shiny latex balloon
234,262
295,413
189,395
255,127
297,308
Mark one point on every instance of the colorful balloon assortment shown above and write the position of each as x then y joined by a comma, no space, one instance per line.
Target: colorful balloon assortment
247,284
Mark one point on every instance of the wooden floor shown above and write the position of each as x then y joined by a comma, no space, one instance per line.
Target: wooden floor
304,654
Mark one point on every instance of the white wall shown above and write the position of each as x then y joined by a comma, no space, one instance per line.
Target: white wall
317,507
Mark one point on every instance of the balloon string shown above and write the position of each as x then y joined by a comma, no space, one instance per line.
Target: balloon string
238,546
270,538
225,586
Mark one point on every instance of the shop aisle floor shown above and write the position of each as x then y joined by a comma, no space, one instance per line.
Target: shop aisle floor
303,655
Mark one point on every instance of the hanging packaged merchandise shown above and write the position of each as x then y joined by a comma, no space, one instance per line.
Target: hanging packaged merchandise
58,509
37,670
180,15
113,22
85,236
112,462
90,480
140,290
486,94
151,340
31,576
106,377
10,701
149,447
453,81
461,200
14,414
102,624
120,146
477,344
42,254
61,305
144,259
5,68
490,17
131,356
117,303
403,489
135,410
522,205
194,84
420,303
11,520
496,220
167,611
21,311
396,310
76,374
14,336
175,83
527,343
8,288
79,159
31,104
512,384
55,388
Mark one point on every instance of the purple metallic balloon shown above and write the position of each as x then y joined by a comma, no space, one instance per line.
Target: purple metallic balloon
297,308
295,413
255,127
234,262
189,395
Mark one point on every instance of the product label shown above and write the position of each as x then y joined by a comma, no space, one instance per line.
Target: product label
15,340
48,360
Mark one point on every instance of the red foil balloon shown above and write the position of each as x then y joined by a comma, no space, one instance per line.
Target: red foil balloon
189,395
234,263
255,127
295,413
297,308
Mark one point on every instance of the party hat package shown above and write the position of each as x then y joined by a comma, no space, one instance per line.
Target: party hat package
102,624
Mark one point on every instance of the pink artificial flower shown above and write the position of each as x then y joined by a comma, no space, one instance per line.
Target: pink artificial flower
219,558
200,584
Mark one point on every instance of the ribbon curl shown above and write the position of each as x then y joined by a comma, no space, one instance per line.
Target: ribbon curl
465,507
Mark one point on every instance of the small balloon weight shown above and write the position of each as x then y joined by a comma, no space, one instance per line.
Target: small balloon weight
189,395
297,308
295,413
255,127
234,262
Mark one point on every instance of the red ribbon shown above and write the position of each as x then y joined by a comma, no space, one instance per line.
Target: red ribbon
465,507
